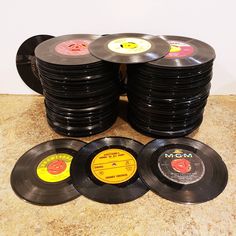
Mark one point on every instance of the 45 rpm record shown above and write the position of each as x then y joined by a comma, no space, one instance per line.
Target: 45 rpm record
182,170
42,175
129,48
67,50
105,170
26,62
185,52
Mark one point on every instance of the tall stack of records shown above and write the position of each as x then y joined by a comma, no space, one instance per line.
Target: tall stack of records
81,92
167,96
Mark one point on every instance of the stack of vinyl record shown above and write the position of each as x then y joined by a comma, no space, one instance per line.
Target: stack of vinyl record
81,92
167,96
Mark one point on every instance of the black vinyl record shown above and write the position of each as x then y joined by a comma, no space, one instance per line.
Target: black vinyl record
26,62
185,52
182,170
105,170
66,129
67,50
42,175
170,132
129,48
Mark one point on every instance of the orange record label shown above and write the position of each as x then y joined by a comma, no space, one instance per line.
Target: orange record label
114,166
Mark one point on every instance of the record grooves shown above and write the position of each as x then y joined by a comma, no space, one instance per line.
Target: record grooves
129,48
182,170
41,176
105,170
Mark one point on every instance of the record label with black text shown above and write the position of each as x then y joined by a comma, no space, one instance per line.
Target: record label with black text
42,175
105,170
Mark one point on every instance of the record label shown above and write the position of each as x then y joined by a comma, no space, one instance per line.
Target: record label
179,49
114,166
182,170
75,47
129,45
181,166
55,168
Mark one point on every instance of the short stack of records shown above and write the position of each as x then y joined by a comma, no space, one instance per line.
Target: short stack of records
81,92
167,96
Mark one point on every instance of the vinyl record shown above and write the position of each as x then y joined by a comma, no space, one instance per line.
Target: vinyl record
129,48
83,94
170,132
82,111
42,175
185,52
87,103
26,62
67,50
182,170
82,130
105,170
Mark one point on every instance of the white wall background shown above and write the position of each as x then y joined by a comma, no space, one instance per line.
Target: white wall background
212,21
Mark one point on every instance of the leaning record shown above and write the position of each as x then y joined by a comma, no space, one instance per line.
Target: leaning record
182,170
26,63
185,52
105,170
67,50
42,177
129,48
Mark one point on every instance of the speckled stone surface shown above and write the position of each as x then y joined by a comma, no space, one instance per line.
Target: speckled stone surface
23,125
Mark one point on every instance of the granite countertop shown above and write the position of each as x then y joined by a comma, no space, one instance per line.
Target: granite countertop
23,125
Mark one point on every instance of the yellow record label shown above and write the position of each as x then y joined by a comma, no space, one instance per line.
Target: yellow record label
55,168
114,166
174,48
129,45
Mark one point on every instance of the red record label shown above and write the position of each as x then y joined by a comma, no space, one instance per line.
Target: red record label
179,50
75,47
181,165
56,167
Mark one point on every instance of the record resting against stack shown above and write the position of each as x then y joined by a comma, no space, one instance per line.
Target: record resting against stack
167,96
81,91
117,170
26,62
